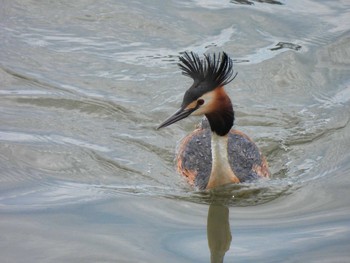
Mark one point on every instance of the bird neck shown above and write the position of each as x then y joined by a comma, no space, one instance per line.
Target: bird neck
221,172
222,117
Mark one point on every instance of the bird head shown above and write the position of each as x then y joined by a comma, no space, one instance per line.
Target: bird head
206,96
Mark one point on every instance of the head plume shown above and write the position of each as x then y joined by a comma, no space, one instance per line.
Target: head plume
214,71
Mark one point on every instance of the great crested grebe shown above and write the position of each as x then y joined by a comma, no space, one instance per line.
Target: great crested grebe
213,154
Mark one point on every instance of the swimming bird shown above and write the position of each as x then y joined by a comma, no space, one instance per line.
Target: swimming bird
214,154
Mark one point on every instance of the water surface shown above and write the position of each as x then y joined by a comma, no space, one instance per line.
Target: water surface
85,177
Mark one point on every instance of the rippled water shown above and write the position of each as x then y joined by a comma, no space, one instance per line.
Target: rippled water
85,177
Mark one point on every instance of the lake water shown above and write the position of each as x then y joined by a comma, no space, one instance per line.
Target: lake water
85,177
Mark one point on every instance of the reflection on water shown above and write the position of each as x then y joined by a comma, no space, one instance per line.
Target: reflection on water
218,232
247,2
281,45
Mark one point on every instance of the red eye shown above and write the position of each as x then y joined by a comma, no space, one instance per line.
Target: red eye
200,102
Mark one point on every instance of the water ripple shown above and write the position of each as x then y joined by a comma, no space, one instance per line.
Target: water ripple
57,193
52,138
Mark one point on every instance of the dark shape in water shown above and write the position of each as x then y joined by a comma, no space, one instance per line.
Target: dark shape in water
287,45
218,232
247,2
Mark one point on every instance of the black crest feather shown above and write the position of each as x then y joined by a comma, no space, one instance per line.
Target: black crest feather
214,70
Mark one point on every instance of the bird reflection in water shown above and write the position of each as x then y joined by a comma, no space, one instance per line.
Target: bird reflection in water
214,155
218,231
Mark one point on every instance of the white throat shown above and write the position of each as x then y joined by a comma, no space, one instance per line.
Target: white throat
221,172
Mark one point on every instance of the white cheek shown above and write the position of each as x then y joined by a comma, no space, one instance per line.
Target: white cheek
201,111
207,107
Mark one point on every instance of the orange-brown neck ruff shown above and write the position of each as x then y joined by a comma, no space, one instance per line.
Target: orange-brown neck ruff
221,172
221,116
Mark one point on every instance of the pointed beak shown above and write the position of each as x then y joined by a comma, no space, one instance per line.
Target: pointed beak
182,113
